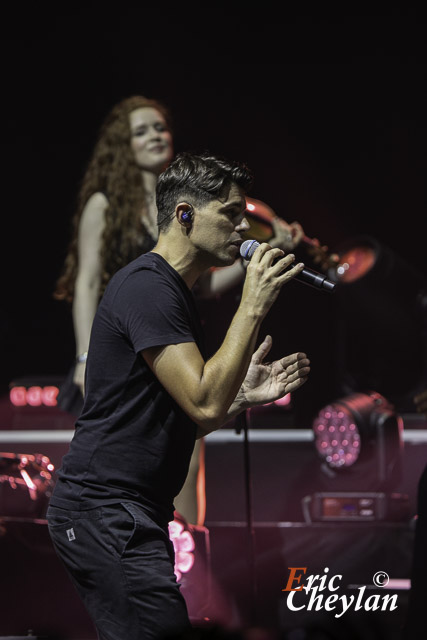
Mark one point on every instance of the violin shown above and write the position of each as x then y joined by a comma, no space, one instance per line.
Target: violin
260,215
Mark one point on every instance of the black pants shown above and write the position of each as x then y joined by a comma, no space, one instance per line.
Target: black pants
122,564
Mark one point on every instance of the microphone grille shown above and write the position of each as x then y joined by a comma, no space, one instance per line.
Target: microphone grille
248,248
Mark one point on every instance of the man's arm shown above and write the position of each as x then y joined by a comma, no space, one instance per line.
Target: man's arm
206,390
266,382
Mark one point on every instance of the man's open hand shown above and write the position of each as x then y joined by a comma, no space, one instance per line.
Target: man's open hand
266,382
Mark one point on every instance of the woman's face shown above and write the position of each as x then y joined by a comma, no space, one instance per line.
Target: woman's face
151,140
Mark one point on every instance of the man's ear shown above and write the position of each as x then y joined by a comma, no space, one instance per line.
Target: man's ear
184,214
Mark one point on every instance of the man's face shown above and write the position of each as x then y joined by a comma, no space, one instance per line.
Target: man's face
218,227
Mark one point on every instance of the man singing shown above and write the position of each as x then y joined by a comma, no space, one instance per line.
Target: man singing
150,392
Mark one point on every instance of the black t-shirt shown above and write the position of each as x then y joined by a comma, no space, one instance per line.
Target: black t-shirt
132,441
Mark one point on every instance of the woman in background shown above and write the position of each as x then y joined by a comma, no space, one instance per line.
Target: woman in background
116,217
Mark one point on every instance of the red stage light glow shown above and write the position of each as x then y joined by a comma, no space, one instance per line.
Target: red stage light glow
355,263
18,396
183,544
34,396
283,402
49,395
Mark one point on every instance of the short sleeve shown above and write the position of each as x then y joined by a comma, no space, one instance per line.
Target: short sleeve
152,311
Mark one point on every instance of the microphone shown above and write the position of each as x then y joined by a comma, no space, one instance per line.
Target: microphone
307,276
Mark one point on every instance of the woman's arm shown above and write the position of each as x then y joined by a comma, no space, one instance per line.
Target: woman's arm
88,280
217,281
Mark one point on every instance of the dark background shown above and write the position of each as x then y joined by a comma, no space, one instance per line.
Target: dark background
328,111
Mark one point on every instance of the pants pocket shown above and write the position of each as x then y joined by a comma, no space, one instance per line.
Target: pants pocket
120,525
58,518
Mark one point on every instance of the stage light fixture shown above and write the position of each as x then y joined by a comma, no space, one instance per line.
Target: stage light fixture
337,436
380,322
26,484
359,439
35,391
356,259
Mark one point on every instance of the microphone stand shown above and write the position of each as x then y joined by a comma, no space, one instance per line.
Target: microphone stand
241,424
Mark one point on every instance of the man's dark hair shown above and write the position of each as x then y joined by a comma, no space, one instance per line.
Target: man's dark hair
197,179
